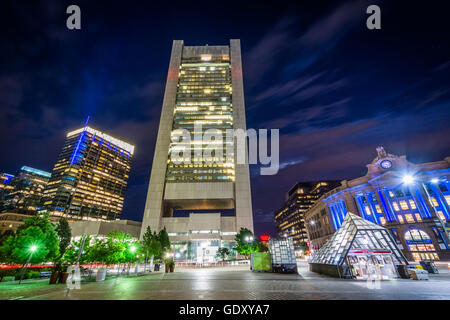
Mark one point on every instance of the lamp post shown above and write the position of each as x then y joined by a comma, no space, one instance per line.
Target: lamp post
132,250
33,248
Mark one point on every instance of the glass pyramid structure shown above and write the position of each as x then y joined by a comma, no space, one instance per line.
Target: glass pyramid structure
356,234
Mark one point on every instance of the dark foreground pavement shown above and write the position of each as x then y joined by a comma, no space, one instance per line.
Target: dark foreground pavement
233,284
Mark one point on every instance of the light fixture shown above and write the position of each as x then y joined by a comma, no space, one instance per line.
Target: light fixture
434,180
33,248
408,179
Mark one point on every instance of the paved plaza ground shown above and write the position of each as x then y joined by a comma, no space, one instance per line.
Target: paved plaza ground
232,283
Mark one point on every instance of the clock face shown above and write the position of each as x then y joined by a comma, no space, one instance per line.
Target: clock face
386,164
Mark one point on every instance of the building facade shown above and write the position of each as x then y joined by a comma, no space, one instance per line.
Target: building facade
410,200
25,190
290,219
89,179
102,228
5,188
12,220
205,200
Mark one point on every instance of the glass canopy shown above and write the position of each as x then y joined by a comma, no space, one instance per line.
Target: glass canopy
357,235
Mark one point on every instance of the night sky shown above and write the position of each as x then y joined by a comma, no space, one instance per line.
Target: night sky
335,89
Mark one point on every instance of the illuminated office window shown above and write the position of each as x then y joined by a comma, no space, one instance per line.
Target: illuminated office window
404,205
395,205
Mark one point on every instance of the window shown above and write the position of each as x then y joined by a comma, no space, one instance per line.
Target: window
382,220
395,205
420,245
400,219
412,204
418,217
378,208
447,198
441,215
404,205
409,218
434,201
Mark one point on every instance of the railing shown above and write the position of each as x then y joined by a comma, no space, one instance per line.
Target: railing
192,264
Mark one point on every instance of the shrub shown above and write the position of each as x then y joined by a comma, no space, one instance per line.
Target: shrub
34,274
8,278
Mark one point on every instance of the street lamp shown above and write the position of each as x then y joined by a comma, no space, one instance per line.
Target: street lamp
408,179
132,250
33,248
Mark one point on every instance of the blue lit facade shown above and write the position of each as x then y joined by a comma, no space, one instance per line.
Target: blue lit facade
89,179
415,210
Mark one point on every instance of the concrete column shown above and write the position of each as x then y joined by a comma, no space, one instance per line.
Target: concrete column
154,202
244,212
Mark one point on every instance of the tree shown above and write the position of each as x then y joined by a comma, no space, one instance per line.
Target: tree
244,240
223,253
64,234
36,231
246,243
114,248
71,253
5,235
163,238
151,245
147,238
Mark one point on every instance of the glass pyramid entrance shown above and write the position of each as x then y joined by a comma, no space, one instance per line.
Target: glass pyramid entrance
355,241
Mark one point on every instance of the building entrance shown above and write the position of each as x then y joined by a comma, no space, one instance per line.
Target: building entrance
365,262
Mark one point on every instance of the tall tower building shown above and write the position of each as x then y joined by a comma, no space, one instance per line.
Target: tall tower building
90,177
26,190
290,218
201,204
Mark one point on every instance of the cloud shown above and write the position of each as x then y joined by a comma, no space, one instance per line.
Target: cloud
310,116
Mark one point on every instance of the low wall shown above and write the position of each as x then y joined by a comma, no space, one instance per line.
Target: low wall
327,269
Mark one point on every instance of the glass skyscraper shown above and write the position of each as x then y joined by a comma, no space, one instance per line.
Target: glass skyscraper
89,179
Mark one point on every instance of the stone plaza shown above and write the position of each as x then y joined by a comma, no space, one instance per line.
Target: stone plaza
234,283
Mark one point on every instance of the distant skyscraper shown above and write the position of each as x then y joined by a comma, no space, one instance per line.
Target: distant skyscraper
5,187
26,189
90,177
290,218
201,204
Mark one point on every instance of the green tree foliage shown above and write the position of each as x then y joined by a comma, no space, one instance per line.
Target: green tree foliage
243,244
151,244
223,253
246,243
64,234
5,235
113,249
163,238
37,231
71,253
